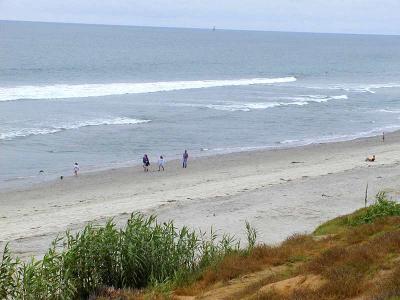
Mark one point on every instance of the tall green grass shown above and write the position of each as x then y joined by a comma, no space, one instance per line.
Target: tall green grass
144,253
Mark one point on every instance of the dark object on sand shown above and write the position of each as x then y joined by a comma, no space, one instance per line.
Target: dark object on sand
325,195
41,172
61,177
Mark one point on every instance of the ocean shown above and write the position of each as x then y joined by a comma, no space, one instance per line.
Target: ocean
105,95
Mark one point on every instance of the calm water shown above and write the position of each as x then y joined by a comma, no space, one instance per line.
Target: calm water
104,95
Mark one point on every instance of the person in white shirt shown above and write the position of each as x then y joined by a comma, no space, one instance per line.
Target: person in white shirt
76,169
161,163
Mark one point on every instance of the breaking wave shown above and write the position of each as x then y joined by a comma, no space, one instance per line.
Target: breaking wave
338,138
63,91
390,111
249,106
358,88
25,132
370,88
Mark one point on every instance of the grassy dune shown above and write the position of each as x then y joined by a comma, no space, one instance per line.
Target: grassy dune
355,256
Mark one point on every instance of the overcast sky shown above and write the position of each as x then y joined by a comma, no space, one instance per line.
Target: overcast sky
348,16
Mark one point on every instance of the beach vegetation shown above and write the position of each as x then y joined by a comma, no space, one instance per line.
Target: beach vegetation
145,253
382,207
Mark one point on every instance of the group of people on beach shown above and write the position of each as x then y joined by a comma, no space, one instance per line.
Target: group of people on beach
146,163
161,162
185,157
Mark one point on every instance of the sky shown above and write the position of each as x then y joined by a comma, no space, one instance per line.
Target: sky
339,16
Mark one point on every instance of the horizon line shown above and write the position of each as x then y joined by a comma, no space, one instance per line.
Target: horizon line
199,28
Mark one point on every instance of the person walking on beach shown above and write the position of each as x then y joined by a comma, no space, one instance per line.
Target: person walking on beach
185,157
146,163
161,163
76,169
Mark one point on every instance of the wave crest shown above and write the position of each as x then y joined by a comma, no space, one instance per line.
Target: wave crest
339,138
249,106
358,88
25,132
63,91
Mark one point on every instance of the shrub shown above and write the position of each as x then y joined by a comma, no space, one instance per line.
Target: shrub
381,208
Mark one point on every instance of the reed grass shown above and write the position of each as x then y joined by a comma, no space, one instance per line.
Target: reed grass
144,253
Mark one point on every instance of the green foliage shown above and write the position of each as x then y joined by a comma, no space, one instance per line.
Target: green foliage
42,279
143,254
8,271
251,236
381,208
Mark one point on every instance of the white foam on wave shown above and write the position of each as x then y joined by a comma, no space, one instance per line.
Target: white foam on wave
249,106
25,132
390,111
100,122
317,98
370,88
63,91
359,88
338,138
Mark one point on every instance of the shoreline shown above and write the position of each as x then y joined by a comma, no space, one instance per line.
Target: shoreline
279,191
38,180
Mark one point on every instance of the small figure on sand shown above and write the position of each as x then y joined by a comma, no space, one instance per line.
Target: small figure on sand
146,163
185,157
371,159
383,136
76,169
161,163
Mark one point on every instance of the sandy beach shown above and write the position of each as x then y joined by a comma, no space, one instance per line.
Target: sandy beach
280,192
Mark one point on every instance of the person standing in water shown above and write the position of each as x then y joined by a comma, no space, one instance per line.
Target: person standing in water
185,157
146,163
76,169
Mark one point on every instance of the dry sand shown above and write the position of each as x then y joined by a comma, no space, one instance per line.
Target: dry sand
280,192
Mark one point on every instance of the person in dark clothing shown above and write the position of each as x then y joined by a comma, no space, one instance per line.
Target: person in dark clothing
146,163
185,158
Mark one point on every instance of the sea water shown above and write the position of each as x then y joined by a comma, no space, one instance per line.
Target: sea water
105,95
